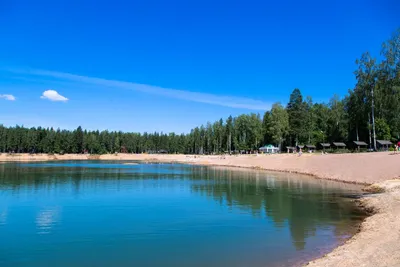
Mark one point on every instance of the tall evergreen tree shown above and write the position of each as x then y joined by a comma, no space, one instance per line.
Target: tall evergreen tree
229,133
78,140
297,116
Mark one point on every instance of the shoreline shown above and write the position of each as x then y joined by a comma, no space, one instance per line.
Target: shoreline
377,242
363,168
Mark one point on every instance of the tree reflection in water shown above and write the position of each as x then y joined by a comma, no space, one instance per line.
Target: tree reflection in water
301,203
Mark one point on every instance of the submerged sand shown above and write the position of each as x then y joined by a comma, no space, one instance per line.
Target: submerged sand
378,242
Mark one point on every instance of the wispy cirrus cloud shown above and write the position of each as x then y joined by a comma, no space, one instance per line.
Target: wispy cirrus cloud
8,97
53,95
221,100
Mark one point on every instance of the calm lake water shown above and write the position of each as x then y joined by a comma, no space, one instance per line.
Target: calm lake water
115,214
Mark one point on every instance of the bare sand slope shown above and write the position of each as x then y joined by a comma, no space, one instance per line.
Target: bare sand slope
377,244
358,168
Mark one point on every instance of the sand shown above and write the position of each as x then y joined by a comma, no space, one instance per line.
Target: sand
377,243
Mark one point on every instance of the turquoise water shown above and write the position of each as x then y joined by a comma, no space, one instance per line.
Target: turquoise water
114,214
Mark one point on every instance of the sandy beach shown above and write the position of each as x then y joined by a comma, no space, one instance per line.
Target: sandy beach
377,243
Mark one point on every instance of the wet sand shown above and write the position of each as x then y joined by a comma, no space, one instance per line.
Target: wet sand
377,243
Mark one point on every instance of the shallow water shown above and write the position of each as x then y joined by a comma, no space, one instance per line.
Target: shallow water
113,214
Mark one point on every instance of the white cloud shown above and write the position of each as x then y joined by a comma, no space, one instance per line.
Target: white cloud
8,97
53,96
221,100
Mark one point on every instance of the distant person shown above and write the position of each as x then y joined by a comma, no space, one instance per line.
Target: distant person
300,152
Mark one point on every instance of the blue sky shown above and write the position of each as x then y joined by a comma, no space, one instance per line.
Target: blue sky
172,65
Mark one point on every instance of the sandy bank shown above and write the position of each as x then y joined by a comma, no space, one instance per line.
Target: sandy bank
378,242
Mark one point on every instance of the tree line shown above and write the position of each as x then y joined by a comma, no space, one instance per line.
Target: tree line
369,112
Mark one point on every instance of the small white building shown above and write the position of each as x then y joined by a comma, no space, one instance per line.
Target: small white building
269,149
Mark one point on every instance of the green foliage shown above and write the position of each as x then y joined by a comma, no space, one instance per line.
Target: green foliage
319,137
382,130
278,124
266,132
297,112
337,120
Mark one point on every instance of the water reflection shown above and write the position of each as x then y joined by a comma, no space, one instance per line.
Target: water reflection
304,204
300,204
46,219
3,215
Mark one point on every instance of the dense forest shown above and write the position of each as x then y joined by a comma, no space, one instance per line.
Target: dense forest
369,112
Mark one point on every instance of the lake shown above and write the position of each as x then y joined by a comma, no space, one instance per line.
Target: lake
96,213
